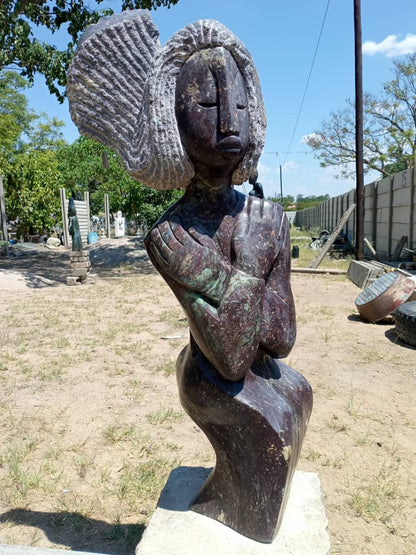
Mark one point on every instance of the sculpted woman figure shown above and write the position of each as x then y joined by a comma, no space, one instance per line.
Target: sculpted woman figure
199,124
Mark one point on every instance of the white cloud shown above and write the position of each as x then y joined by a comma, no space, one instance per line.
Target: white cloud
391,46
304,140
289,167
265,170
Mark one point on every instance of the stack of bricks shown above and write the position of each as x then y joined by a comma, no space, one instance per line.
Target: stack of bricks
80,268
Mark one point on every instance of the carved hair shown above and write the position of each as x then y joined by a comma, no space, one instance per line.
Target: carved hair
121,90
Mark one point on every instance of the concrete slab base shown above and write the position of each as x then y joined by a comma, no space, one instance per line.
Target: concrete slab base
362,273
174,530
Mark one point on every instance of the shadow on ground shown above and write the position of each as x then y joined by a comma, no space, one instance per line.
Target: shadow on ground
126,254
387,321
394,338
39,266
78,532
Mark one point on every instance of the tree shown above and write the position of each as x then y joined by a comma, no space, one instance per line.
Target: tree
27,158
15,117
309,201
32,191
288,201
20,127
389,128
19,47
89,166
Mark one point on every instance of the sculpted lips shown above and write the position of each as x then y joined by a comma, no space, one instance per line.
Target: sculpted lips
230,144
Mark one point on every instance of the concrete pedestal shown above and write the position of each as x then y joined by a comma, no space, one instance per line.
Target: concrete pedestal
174,530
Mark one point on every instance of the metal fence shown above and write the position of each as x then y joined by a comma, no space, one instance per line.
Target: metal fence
389,213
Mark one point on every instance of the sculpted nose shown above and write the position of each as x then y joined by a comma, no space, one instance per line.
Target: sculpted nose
228,118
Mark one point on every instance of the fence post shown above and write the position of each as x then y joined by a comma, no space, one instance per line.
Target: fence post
375,215
107,215
64,217
412,208
87,204
390,220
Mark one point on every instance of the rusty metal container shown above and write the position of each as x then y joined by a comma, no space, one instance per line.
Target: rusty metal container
383,296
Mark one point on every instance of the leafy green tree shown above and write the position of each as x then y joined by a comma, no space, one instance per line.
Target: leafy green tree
32,191
20,20
89,166
309,201
27,158
288,201
15,117
389,128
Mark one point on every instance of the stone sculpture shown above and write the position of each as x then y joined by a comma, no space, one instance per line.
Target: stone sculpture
191,115
119,225
73,226
257,190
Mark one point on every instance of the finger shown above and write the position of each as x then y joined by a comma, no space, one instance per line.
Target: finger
159,245
168,236
157,257
241,229
202,238
268,210
183,236
256,209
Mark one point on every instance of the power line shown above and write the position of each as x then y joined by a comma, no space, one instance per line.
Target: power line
308,79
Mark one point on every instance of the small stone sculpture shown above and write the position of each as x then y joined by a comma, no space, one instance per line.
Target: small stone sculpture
73,226
119,225
192,116
257,190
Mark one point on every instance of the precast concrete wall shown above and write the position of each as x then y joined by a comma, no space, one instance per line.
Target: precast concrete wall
389,213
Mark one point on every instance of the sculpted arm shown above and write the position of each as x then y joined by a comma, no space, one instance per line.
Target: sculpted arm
262,247
223,304
278,322
231,312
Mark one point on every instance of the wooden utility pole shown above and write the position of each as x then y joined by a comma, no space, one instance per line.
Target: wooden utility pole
331,239
359,150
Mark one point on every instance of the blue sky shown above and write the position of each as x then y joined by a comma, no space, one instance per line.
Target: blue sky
282,38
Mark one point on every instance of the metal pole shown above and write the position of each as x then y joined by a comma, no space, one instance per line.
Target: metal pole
107,215
281,184
64,210
359,149
3,217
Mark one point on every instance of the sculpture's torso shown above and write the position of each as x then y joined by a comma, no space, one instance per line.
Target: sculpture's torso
257,311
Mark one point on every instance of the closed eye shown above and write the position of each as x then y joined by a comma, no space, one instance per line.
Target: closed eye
207,104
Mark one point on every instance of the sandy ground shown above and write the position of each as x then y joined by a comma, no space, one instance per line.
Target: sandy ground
91,424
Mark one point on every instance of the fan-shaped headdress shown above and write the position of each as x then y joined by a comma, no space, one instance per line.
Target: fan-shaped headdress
121,91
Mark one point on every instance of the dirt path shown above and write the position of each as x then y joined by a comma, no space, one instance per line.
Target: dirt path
91,424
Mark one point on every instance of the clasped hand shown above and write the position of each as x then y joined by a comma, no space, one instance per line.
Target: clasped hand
189,258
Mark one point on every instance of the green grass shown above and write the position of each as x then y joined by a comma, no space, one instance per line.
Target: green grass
164,415
379,500
168,367
117,434
302,239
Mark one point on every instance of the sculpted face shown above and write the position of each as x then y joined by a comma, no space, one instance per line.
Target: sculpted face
212,112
